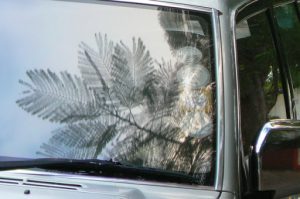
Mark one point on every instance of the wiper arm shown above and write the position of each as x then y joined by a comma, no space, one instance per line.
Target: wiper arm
98,167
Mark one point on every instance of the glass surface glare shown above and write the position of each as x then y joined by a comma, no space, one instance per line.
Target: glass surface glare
132,84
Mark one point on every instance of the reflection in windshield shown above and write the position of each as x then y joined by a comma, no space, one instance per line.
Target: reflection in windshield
127,105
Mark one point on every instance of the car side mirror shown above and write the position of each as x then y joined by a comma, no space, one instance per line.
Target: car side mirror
274,162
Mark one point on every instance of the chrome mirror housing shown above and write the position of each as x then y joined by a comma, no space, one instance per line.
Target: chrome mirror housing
275,158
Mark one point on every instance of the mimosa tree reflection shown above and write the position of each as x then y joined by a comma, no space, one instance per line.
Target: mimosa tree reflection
129,107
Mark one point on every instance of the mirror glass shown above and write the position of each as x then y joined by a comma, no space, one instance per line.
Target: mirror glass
297,196
280,162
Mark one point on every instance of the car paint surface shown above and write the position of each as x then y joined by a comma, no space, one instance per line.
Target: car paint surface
23,184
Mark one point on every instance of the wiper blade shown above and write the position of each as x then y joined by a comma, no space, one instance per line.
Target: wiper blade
57,163
96,167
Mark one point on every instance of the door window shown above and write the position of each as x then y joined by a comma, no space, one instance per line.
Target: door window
261,95
289,30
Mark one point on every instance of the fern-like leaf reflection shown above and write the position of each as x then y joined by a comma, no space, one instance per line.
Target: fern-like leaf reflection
127,106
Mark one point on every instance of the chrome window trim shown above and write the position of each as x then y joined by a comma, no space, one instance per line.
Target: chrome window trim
243,6
241,156
220,100
254,14
216,33
149,3
167,4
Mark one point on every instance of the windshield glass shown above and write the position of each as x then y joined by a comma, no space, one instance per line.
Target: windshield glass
134,84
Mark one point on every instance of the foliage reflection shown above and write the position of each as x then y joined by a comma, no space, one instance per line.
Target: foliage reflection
130,107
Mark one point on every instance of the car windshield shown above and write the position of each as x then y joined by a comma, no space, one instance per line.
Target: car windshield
129,83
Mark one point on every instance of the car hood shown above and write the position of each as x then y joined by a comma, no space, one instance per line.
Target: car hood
38,184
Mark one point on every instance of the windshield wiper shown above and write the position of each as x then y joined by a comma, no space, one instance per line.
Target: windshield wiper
96,167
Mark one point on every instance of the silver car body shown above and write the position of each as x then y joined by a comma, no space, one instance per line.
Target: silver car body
37,184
